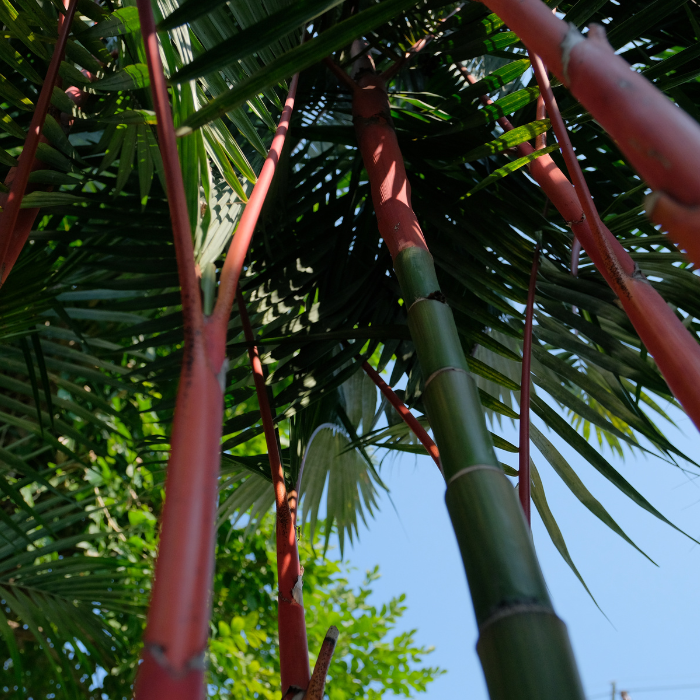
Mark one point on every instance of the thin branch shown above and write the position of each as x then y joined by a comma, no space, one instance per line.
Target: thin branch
541,143
408,418
265,414
572,164
390,72
110,520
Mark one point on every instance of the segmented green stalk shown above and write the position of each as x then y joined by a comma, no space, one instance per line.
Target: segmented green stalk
523,646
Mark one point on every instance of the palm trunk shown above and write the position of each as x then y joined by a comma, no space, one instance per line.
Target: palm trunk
524,648
177,629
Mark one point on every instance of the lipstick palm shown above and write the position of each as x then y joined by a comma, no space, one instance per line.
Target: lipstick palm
316,275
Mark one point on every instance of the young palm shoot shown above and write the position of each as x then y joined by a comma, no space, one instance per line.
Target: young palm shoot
294,657
523,646
317,683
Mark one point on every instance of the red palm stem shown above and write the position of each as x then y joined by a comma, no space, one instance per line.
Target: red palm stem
11,210
540,113
235,257
408,418
191,303
176,633
621,100
674,349
294,655
177,628
26,217
676,352
567,150
379,146
524,447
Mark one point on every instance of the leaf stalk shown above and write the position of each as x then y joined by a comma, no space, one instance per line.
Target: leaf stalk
408,418
621,100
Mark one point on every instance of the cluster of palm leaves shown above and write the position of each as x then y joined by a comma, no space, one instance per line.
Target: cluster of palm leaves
91,331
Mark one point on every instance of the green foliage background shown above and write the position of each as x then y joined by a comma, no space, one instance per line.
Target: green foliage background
119,534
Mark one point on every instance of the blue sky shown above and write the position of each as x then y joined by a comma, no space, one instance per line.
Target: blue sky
649,645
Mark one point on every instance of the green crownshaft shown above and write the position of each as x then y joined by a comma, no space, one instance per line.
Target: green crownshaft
523,646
